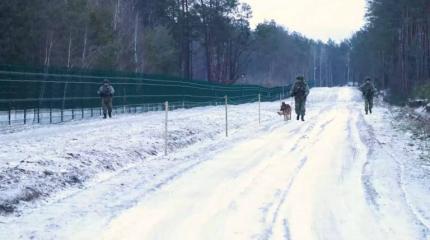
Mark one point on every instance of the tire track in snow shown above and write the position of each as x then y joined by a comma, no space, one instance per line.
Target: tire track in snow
123,183
268,232
373,196
419,218
300,136
287,234
366,176
297,132
347,164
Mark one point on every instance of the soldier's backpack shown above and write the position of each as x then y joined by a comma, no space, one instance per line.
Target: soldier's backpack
368,91
106,91
300,90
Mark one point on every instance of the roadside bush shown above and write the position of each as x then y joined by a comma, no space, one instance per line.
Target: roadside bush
422,92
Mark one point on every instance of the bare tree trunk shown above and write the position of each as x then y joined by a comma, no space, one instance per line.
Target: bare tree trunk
189,49
63,104
314,53
320,69
48,49
207,44
116,15
185,38
136,34
406,57
348,74
84,50
69,50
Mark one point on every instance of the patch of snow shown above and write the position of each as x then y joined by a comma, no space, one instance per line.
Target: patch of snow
339,175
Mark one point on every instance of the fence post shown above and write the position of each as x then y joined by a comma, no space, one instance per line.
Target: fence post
82,112
226,116
9,113
38,114
124,100
62,114
92,112
283,92
259,109
50,114
73,114
165,127
25,116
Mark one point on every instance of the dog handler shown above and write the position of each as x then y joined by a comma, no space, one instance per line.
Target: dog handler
300,92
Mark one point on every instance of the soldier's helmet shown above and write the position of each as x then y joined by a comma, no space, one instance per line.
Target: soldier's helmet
106,81
300,77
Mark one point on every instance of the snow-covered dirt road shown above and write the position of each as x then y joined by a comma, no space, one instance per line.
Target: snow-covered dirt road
326,179
339,175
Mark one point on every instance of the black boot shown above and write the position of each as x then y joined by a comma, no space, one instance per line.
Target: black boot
298,117
110,115
370,110
104,115
303,118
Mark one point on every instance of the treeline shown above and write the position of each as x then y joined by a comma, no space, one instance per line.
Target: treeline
277,56
394,46
193,39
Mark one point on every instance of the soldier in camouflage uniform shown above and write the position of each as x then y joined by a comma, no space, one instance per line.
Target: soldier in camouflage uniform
106,92
369,91
300,92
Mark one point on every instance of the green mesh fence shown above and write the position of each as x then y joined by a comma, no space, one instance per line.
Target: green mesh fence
23,87
26,89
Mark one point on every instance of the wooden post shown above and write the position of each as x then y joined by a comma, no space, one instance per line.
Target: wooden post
226,116
165,127
9,113
38,114
259,109
25,116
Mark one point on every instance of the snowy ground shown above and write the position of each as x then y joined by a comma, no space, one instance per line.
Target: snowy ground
422,112
340,175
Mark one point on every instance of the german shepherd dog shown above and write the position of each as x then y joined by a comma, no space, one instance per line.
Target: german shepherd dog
285,111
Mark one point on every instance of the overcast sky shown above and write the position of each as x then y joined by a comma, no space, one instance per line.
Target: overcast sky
317,19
